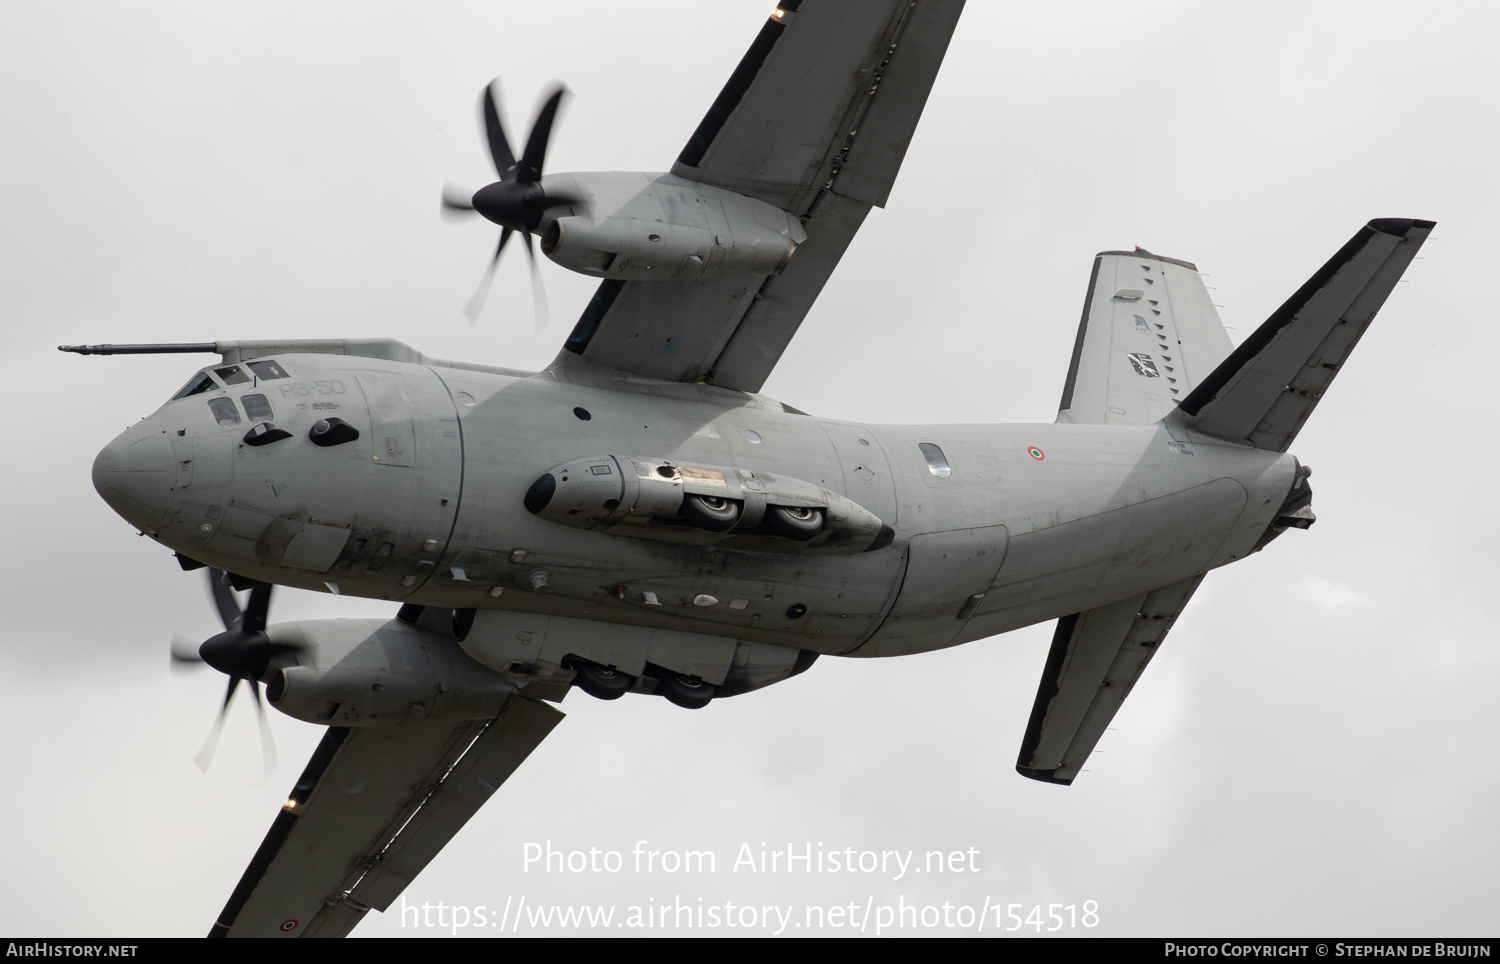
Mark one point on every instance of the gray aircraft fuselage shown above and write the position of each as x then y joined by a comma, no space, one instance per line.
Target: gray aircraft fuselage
1030,522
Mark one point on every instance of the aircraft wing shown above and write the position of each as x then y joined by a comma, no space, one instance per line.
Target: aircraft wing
372,808
1095,659
815,119
1148,336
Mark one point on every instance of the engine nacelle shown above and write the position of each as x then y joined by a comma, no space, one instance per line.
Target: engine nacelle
649,498
371,672
661,227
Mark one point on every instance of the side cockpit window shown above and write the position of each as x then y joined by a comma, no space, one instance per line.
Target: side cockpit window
233,375
199,384
224,411
257,408
937,463
267,370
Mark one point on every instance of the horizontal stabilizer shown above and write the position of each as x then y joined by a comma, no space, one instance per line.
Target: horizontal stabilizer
1265,390
1096,658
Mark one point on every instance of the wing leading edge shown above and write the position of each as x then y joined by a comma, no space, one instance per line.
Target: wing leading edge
372,808
816,119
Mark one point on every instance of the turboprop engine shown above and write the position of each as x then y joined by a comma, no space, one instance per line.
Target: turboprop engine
659,227
372,672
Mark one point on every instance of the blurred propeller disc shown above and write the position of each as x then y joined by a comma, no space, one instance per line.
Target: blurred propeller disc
242,652
517,202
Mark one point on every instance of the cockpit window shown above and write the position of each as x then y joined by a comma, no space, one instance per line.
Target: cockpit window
233,375
199,384
267,369
937,463
224,411
257,409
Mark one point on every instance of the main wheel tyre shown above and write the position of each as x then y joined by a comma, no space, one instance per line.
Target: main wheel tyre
711,512
793,522
601,682
688,692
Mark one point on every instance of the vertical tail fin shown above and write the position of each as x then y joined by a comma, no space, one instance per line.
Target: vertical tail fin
1265,390
1148,335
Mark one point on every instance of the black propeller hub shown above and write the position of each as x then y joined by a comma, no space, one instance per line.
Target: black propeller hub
236,652
511,204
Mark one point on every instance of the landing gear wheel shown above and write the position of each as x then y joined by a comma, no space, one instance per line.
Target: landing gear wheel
688,692
793,522
601,682
711,512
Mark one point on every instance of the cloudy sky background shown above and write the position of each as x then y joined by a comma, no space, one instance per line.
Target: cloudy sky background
1315,750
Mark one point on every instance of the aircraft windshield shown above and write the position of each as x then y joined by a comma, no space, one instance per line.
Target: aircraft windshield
267,370
199,384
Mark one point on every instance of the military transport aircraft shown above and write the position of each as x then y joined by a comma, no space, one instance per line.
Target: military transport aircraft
638,519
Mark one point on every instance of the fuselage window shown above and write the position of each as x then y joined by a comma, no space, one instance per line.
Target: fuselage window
937,463
233,375
267,369
200,383
257,409
224,411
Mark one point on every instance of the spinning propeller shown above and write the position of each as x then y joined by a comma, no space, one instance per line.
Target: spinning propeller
516,202
242,652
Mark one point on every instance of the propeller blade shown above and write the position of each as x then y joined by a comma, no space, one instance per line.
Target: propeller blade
494,133
228,605
184,655
206,755
476,303
530,168
538,293
457,202
254,618
267,744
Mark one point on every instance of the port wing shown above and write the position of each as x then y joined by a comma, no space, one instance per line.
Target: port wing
372,808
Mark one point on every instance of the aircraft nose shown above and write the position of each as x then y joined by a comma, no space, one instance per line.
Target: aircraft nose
134,474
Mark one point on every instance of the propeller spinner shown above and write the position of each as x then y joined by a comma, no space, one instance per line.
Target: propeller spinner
517,202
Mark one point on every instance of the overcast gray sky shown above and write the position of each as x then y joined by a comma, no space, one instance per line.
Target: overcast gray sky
1315,750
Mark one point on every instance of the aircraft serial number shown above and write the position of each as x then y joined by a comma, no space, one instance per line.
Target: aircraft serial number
302,389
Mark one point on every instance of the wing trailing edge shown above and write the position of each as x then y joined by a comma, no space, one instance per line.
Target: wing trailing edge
1267,387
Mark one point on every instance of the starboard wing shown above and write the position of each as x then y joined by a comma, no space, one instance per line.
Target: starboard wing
372,808
816,119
